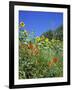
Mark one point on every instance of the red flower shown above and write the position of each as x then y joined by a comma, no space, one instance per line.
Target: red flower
55,59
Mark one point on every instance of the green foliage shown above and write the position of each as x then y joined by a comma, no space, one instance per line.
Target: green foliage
55,34
36,66
48,34
41,57
58,34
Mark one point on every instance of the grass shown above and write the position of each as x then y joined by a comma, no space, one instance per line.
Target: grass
40,58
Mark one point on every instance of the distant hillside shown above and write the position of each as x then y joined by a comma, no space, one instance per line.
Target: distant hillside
56,34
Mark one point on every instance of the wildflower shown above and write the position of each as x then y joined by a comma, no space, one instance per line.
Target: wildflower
55,60
39,43
38,39
25,43
46,40
45,47
35,50
30,45
22,24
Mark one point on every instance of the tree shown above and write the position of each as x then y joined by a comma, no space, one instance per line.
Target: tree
55,34
48,34
58,34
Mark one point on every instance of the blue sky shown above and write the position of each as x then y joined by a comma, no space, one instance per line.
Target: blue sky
40,22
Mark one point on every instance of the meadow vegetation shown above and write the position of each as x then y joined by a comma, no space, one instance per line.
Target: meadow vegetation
40,56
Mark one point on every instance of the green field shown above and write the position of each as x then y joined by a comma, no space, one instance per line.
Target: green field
39,57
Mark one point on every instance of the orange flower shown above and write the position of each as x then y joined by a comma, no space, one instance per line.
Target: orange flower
34,49
30,46
55,60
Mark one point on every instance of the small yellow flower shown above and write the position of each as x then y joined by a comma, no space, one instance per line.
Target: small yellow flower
46,40
38,39
22,24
